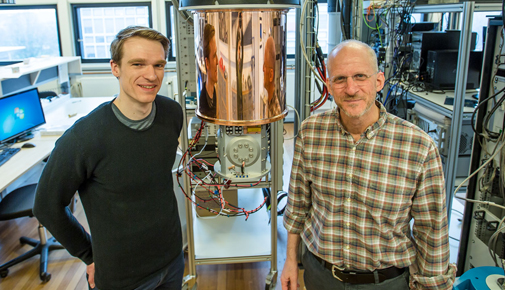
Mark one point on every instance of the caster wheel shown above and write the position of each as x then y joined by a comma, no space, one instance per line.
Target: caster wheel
4,273
45,277
271,281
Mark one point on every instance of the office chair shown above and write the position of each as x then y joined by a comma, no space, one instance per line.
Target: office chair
19,203
47,95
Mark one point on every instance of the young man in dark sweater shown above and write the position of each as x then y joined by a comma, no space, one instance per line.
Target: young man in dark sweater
119,158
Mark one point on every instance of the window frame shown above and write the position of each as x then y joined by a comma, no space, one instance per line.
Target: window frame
31,7
77,26
171,53
292,56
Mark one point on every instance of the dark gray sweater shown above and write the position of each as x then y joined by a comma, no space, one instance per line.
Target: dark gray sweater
124,179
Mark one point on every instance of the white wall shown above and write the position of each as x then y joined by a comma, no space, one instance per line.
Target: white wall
101,85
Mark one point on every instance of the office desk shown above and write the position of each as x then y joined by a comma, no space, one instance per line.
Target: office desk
25,159
436,102
60,114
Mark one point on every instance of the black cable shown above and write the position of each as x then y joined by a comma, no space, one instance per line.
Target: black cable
342,21
488,116
478,107
280,197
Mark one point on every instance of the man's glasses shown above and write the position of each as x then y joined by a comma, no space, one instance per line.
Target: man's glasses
360,80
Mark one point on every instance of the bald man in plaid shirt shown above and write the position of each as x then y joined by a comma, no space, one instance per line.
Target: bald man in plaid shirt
360,175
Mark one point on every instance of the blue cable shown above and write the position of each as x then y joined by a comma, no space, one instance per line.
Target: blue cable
389,92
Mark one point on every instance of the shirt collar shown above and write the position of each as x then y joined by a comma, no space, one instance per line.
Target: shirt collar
373,129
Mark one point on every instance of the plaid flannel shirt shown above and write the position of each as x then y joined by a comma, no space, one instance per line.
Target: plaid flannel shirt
353,202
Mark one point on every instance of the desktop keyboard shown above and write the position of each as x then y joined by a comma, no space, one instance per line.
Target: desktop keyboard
7,153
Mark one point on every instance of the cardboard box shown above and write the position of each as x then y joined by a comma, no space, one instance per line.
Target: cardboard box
229,195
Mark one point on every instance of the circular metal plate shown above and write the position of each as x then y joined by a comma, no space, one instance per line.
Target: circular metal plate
237,4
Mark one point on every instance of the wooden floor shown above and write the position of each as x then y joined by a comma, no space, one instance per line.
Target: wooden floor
70,273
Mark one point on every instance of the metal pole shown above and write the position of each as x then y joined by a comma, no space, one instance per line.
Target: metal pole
190,279
302,68
299,73
276,150
389,58
459,101
309,49
358,13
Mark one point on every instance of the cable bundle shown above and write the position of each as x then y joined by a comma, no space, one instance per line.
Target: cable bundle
209,182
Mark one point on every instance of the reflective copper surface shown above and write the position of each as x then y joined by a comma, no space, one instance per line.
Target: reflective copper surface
241,66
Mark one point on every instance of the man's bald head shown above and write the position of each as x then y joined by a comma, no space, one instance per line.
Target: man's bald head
354,44
270,51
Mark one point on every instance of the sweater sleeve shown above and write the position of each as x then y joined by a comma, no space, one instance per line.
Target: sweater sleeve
64,172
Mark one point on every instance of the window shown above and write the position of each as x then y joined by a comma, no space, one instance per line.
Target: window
322,36
96,25
480,20
28,31
416,18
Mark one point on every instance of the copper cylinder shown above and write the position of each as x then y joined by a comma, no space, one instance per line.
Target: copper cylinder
241,66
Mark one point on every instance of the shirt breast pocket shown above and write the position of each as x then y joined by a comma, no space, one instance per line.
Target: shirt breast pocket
326,176
386,202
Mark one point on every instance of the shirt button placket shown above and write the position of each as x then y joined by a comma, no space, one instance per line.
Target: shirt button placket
348,201
351,164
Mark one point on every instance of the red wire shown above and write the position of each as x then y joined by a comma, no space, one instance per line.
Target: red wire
324,94
203,184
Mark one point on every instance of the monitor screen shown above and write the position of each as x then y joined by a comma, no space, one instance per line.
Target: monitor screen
19,114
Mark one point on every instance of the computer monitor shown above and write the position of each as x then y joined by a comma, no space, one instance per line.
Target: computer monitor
19,115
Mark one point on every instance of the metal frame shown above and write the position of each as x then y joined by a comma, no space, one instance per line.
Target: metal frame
457,115
467,9
232,4
184,46
190,279
459,101
443,8
467,248
303,75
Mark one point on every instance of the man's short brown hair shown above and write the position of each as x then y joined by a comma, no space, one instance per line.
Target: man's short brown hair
116,47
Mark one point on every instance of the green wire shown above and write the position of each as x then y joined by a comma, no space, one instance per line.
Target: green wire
365,20
379,33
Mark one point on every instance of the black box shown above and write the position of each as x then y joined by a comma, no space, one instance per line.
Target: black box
424,41
442,67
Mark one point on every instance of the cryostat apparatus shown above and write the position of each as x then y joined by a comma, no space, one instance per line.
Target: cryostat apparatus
240,64
240,56
231,59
